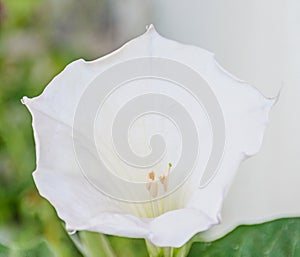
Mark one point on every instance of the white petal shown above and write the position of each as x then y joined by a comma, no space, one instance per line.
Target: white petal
175,228
60,179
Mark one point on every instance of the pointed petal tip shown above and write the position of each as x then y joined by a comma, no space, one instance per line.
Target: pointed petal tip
71,231
27,101
35,173
274,100
219,217
150,29
24,100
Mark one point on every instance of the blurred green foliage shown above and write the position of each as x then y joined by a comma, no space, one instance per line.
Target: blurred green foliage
30,55
33,49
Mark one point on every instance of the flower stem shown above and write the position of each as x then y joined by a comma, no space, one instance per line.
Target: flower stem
96,245
155,251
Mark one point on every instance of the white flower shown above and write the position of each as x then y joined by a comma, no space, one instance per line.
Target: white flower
166,204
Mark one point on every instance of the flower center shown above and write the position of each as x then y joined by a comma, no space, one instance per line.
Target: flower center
158,207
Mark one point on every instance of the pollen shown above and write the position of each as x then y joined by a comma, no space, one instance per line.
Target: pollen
151,175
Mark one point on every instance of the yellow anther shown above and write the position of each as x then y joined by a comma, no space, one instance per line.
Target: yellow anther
151,175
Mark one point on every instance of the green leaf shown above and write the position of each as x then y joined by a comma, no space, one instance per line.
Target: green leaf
4,251
279,238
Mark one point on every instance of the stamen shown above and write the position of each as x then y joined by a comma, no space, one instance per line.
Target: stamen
164,179
152,184
152,187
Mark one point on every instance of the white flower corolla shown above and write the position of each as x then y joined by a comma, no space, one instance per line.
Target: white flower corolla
144,142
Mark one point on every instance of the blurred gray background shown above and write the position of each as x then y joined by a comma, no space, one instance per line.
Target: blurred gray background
257,41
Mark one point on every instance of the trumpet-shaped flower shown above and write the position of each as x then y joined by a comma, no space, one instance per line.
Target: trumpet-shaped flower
144,142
